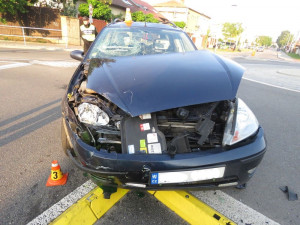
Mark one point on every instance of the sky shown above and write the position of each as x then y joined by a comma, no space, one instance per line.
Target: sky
259,17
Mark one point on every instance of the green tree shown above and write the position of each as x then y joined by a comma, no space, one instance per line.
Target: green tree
69,10
13,7
101,10
232,30
284,38
180,24
139,16
206,38
264,40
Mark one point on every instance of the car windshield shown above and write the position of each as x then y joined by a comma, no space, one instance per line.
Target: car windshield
133,41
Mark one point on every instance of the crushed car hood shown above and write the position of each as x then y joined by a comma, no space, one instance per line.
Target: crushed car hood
146,84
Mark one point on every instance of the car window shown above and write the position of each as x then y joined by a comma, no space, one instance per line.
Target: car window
115,42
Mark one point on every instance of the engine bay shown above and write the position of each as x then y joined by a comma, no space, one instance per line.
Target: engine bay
179,130
174,131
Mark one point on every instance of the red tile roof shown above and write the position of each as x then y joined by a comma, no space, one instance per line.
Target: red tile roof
138,5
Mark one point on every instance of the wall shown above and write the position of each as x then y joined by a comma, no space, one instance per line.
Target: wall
117,11
70,30
204,25
192,21
35,17
174,14
49,19
99,24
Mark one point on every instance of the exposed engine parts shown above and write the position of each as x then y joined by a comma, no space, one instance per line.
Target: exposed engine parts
202,129
105,126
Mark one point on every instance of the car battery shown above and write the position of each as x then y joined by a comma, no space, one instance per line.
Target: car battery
140,135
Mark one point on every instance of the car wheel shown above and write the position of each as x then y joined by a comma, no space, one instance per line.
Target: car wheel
64,139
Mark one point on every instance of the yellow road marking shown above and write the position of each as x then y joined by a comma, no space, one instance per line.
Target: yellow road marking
90,208
79,213
100,205
93,206
190,208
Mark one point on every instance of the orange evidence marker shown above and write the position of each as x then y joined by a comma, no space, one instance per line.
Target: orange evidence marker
56,177
128,18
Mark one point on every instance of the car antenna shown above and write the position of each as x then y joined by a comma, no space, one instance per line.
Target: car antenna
145,20
145,17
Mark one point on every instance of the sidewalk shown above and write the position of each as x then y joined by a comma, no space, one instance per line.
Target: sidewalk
39,46
284,56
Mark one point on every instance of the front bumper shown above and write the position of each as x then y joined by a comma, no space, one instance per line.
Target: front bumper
134,171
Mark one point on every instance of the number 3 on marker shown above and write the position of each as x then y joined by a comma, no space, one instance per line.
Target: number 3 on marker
55,175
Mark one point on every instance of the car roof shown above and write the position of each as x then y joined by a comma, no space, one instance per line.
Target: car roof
143,24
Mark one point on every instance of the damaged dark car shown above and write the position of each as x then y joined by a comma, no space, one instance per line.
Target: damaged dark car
146,110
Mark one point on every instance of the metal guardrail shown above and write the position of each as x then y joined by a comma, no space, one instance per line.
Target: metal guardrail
33,28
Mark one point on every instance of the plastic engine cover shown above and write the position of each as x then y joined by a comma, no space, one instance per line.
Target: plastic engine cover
140,135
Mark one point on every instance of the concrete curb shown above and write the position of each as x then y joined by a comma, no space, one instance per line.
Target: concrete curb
289,72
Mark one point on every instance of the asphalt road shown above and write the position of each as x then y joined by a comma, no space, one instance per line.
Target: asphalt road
278,111
30,134
31,87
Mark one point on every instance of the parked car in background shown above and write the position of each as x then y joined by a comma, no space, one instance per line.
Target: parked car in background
260,49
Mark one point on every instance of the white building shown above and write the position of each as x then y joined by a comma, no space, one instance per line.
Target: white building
197,24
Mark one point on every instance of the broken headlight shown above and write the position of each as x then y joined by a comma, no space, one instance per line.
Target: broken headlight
92,114
241,124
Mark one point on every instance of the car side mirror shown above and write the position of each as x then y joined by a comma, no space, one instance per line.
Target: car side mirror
77,54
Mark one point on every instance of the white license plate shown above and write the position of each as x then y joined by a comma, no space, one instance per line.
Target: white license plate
187,176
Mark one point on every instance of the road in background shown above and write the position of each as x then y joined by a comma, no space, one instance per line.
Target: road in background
278,111
31,87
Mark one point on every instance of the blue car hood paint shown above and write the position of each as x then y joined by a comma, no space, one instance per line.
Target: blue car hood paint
146,84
